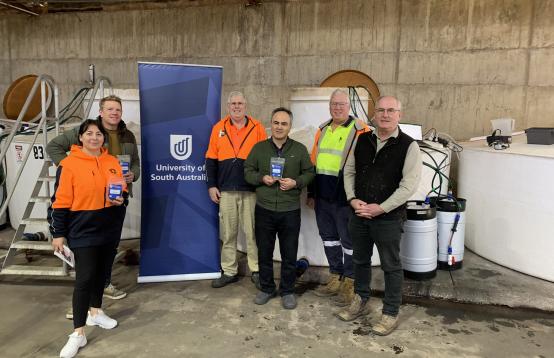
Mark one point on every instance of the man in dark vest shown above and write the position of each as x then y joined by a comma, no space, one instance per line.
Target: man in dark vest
378,180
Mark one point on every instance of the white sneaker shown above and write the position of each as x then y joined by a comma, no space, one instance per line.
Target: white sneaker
73,344
101,320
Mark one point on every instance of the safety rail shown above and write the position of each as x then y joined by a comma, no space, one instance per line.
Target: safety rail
41,192
43,80
99,84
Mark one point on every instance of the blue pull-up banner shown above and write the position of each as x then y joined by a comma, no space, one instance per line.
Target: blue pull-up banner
179,104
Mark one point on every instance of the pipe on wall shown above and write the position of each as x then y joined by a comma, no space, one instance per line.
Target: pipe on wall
19,8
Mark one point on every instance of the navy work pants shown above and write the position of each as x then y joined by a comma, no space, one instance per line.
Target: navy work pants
332,223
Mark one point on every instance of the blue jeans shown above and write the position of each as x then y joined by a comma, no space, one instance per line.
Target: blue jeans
386,235
286,225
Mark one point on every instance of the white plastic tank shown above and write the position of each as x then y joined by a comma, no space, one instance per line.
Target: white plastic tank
435,155
451,215
418,247
310,107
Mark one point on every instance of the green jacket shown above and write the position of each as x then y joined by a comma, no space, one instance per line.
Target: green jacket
298,166
58,147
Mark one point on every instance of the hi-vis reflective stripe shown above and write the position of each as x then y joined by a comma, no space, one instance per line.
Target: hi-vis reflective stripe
350,144
330,151
326,172
331,243
347,252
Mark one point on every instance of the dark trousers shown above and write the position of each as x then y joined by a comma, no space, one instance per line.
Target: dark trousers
108,278
332,223
287,226
122,210
91,266
386,235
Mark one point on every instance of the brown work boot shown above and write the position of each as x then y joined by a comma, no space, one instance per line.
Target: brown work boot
331,288
386,325
359,307
346,293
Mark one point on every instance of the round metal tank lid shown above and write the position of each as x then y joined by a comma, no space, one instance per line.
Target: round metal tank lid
15,97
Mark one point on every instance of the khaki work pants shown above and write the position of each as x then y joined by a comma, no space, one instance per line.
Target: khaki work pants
237,208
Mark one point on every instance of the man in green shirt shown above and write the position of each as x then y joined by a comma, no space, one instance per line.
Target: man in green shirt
279,168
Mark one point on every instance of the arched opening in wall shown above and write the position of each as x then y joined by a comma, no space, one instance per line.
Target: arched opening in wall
358,80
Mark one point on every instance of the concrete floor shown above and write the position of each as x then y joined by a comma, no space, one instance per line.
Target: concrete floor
190,319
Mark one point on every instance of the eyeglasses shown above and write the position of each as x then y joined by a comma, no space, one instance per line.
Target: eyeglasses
388,110
339,104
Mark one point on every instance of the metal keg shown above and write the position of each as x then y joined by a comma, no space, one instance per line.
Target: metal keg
418,247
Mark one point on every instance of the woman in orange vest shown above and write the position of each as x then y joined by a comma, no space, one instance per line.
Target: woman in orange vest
86,211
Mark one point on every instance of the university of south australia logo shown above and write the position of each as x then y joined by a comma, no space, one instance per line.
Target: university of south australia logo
180,146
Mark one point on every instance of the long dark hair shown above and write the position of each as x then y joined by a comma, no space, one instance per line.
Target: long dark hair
91,122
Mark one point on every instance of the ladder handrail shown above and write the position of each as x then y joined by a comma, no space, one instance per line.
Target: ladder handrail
98,85
43,79
24,110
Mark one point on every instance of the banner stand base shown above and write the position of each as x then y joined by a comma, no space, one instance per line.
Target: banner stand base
184,277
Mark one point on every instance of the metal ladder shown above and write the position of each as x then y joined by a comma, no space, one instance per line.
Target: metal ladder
44,180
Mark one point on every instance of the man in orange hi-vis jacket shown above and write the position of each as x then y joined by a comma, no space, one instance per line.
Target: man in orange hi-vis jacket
231,140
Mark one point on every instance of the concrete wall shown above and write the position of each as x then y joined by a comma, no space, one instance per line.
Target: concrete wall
455,64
